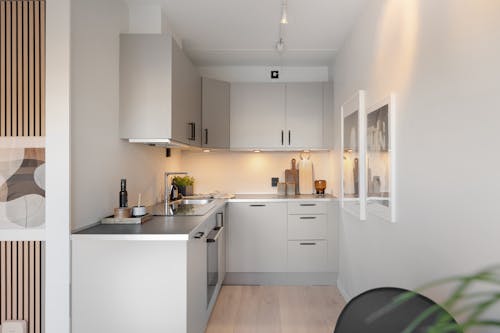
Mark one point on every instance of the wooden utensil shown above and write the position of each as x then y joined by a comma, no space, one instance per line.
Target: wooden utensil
292,176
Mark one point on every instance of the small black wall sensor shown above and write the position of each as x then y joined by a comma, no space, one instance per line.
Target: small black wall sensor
274,181
275,74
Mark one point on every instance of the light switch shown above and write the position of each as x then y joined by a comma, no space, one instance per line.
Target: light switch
14,326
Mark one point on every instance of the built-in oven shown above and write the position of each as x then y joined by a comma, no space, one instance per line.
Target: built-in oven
213,265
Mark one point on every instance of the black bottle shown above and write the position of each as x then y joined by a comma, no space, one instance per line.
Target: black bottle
123,194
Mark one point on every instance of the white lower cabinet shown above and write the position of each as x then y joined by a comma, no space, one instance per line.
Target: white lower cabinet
308,237
144,285
257,237
307,256
281,237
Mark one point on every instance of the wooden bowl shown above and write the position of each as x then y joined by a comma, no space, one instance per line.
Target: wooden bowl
123,212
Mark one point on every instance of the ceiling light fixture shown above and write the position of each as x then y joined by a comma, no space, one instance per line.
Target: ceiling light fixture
284,19
280,45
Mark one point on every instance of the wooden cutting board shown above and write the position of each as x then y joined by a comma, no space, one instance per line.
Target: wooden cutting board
306,175
292,176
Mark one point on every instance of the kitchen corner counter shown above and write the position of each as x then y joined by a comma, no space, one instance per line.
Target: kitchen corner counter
280,198
179,228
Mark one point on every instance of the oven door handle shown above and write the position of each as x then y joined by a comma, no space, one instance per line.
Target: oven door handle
217,231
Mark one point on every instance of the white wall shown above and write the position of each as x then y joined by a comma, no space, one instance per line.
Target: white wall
99,157
441,58
247,172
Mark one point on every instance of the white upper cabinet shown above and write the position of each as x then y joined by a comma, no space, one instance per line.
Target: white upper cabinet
277,116
304,115
257,115
215,114
160,91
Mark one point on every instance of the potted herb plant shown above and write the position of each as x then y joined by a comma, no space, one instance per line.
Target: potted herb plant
185,184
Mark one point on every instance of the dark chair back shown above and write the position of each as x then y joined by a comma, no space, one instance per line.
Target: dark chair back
363,313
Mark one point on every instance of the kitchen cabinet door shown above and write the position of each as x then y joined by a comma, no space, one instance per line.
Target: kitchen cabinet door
160,91
197,284
215,113
257,237
186,99
304,115
257,115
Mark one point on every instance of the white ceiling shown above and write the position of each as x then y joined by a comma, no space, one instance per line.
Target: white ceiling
244,32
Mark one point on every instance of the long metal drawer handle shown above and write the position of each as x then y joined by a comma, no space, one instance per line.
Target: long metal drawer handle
307,243
308,217
257,205
308,205
214,239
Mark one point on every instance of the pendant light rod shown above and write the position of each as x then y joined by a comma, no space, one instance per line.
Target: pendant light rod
284,19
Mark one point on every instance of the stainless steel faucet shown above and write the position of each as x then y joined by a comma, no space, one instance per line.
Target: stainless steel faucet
168,187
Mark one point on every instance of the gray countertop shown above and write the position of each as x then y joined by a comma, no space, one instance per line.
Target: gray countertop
177,227
275,197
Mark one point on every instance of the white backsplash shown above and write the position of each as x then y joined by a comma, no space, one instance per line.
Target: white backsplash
248,172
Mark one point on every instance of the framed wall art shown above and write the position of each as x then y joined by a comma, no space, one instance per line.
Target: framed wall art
353,194
380,157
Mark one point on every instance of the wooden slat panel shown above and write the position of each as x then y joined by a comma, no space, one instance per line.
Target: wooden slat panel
25,69
26,282
31,67
3,277
31,272
42,67
8,81
20,68
37,68
37,287
2,68
22,72
20,288
14,68
14,279
8,293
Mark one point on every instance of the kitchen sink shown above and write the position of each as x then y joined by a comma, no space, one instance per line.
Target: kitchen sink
196,201
185,206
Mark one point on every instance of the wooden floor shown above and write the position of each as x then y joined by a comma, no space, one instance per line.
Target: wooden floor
276,309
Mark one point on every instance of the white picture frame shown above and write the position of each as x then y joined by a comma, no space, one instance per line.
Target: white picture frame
352,159
380,159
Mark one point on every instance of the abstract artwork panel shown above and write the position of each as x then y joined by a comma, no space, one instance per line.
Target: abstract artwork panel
22,185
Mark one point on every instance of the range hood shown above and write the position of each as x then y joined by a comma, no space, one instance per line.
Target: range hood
167,143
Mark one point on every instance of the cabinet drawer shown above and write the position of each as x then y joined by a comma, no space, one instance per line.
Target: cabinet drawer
307,207
307,256
307,226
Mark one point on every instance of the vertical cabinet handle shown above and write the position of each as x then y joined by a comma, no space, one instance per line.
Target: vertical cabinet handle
289,137
282,137
192,131
221,224
206,136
